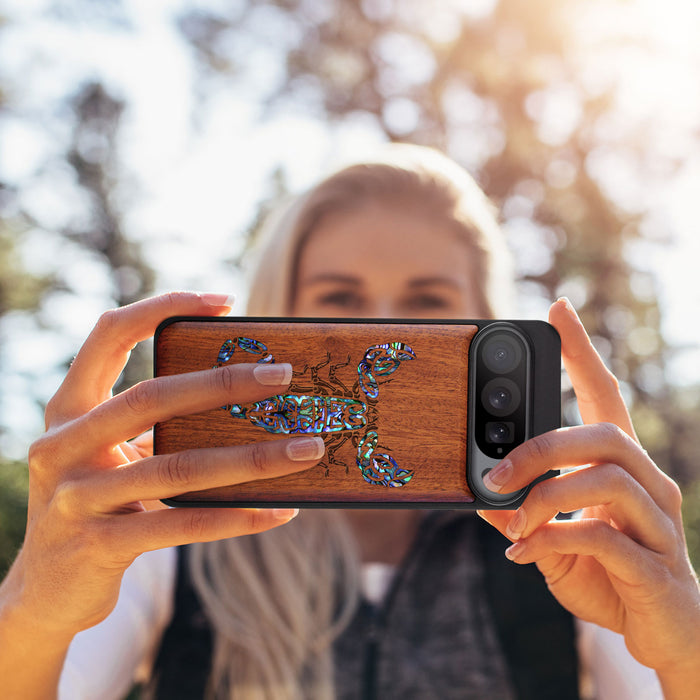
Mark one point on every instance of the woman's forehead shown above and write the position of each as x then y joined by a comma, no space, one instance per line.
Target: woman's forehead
379,236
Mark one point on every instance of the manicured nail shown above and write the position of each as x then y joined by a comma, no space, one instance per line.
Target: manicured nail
218,299
285,514
515,550
303,449
569,306
517,525
498,476
274,374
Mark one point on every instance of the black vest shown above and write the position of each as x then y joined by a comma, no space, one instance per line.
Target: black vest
534,635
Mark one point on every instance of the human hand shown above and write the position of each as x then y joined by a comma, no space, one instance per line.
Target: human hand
88,517
624,563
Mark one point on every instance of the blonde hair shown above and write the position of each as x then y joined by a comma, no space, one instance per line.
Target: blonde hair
416,176
277,600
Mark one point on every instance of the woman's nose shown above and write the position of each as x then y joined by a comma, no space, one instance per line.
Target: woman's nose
383,307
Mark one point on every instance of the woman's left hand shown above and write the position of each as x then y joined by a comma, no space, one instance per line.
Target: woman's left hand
623,564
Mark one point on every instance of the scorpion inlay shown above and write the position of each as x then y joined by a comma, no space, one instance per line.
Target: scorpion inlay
339,417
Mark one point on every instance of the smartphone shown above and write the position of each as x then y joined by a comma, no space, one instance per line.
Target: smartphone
412,413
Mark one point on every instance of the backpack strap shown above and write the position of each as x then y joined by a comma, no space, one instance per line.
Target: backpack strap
536,633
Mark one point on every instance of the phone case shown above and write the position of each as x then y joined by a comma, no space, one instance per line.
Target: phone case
390,398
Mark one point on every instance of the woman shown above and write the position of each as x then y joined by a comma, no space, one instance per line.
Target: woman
412,236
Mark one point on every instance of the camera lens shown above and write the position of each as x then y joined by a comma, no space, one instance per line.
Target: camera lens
502,353
499,432
500,396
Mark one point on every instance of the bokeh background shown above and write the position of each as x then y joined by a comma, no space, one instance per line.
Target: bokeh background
141,141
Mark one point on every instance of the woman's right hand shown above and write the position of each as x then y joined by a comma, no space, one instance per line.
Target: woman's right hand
88,516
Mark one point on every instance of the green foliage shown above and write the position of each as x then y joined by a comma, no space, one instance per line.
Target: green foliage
691,521
18,289
14,483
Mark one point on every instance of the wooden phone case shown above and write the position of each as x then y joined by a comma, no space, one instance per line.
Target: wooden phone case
389,399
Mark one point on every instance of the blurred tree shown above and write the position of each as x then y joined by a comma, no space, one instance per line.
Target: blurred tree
501,87
92,234
18,291
504,86
95,234
94,156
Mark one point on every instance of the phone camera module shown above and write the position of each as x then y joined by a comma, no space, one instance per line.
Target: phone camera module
500,432
501,390
502,353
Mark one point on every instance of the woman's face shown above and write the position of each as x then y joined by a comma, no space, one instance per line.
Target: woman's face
385,261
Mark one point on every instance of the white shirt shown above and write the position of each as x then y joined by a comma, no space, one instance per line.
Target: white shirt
104,661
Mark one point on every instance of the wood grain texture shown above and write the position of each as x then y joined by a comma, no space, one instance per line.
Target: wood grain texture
420,413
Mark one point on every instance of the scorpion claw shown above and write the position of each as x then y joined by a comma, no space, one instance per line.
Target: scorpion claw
225,352
381,361
368,383
379,469
249,345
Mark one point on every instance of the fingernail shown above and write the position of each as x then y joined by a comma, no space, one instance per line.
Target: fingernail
302,449
569,306
515,550
517,525
274,374
285,514
498,476
218,299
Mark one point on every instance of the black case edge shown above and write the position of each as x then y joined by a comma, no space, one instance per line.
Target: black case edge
546,365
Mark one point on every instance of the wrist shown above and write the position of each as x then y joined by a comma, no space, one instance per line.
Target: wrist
32,656
20,620
682,681
25,630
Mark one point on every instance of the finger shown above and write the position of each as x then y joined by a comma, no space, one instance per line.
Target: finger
618,554
605,486
497,518
105,352
143,444
596,388
131,452
583,444
157,400
156,529
166,476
